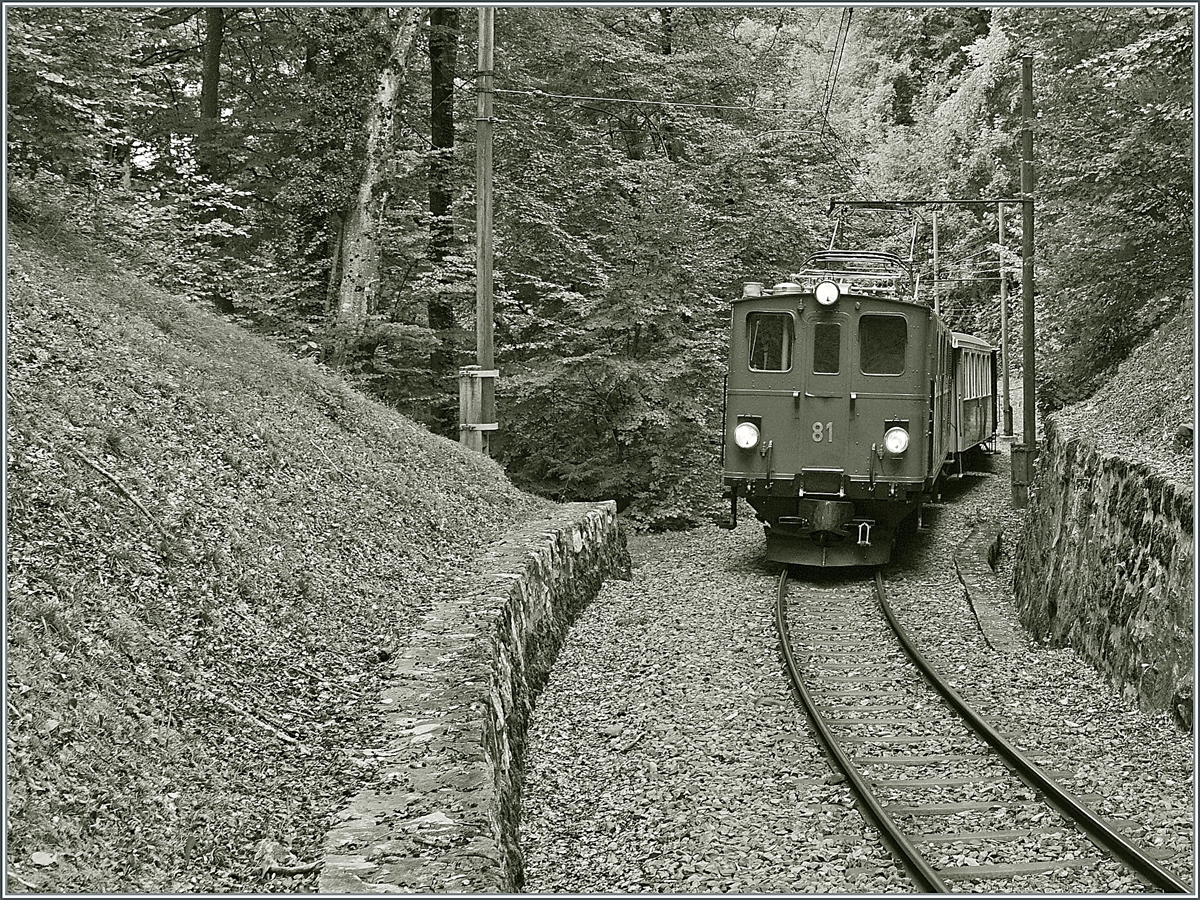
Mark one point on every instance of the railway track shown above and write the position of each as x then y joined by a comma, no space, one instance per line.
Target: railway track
951,797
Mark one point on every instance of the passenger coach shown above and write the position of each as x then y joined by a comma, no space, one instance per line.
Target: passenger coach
845,398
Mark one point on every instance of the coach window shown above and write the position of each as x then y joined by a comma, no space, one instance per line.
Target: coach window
770,341
882,344
827,348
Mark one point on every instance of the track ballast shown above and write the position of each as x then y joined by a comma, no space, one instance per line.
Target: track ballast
978,808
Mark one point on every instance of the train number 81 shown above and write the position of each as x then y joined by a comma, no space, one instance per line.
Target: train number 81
822,432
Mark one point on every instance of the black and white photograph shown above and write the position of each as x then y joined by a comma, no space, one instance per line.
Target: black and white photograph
599,449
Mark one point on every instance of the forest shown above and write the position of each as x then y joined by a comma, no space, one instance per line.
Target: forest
310,171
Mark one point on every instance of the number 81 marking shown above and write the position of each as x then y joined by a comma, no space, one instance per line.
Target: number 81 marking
822,432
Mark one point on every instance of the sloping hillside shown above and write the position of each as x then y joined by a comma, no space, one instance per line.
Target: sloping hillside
1138,413
213,549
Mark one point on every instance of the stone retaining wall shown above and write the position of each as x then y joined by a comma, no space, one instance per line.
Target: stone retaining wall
443,815
1105,565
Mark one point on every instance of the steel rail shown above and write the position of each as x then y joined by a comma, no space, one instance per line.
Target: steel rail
1120,848
925,876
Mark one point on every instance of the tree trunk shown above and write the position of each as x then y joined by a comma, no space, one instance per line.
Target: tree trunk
335,261
672,145
357,293
310,56
443,58
210,83
667,34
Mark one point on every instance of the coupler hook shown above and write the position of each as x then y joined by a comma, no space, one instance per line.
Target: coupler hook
864,534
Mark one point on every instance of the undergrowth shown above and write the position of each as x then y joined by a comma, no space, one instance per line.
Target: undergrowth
212,548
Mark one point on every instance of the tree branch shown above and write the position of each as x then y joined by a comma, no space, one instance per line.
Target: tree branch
261,723
124,490
302,869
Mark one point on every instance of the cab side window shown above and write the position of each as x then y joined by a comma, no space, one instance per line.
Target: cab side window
882,344
771,338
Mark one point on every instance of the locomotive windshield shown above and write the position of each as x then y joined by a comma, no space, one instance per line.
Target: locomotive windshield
827,348
770,341
883,341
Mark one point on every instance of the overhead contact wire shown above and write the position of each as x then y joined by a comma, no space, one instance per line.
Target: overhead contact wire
673,103
843,34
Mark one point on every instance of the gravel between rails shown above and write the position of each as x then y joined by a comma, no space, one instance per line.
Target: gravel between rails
666,754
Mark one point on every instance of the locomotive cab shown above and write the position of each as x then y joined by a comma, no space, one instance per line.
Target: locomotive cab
830,432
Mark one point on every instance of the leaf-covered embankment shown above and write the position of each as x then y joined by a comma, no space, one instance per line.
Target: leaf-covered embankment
212,551
1137,414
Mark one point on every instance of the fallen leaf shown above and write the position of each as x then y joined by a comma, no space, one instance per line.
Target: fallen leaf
434,818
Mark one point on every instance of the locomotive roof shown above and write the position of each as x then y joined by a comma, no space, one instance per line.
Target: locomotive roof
863,262
864,272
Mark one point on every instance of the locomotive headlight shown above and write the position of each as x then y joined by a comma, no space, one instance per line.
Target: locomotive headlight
827,293
895,440
746,435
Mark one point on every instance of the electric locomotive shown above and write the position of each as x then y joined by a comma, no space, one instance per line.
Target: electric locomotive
846,402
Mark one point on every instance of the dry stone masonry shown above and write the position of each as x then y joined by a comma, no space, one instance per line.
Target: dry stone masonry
443,815
1105,566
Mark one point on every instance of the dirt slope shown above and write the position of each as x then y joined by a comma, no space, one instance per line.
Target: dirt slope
212,550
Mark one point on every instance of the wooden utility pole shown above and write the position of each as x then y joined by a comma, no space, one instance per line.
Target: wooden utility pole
1029,436
1025,453
477,384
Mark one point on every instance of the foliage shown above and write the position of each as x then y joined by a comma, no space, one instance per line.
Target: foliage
1113,164
1117,140
68,89
622,233
647,161
930,44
